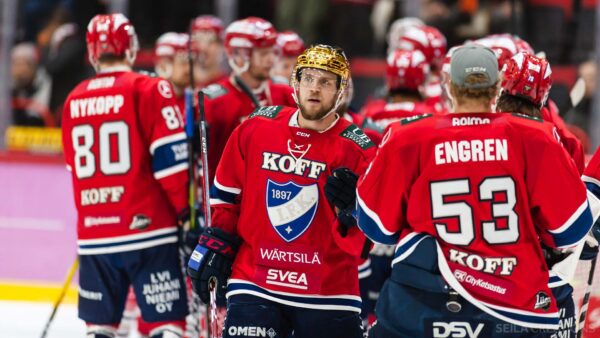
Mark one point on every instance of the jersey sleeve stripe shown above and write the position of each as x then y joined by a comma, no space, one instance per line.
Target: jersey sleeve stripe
370,224
171,170
575,229
166,140
407,245
231,190
168,156
218,196
594,204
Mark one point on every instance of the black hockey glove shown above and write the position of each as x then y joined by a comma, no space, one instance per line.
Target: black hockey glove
212,260
553,256
590,249
340,188
188,238
340,191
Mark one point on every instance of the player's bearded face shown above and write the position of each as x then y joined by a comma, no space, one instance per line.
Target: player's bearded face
261,62
317,93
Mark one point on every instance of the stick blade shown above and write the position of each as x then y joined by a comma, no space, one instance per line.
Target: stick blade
577,92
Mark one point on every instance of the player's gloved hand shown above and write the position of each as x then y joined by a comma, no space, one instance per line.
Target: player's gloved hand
553,256
340,188
590,249
188,238
340,191
212,260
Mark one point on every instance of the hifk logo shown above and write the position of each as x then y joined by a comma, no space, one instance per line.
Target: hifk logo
291,207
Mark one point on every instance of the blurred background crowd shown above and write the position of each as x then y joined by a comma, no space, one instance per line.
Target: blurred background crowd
43,53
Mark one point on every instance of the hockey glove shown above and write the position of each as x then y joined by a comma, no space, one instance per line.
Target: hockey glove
340,191
212,260
590,249
188,238
340,188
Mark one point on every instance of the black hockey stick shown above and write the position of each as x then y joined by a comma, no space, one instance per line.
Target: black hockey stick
244,87
63,291
586,300
191,122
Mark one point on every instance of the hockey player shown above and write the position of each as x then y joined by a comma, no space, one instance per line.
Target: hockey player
294,263
407,72
171,63
250,48
125,147
525,85
468,196
289,46
207,40
432,43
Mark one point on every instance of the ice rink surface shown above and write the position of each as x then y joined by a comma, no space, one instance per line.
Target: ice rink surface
27,320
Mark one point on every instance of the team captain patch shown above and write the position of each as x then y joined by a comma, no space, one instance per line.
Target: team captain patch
356,135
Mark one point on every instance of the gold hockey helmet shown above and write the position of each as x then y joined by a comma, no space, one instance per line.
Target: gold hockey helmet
327,58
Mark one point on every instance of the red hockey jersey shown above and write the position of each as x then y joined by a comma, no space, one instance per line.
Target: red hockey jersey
591,178
380,119
485,186
125,147
569,141
227,106
269,191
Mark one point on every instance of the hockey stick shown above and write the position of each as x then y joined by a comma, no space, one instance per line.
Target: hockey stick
58,300
575,97
189,129
244,87
586,300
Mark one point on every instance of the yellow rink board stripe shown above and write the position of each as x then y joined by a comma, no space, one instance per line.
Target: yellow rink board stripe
36,292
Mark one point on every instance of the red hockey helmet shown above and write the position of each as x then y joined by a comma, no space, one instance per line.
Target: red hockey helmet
111,34
208,24
406,69
429,40
172,44
527,76
503,46
522,45
398,28
290,44
249,33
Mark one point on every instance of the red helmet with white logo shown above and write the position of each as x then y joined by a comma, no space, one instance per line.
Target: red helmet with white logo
111,35
503,46
406,69
527,76
290,44
249,33
208,24
172,44
429,40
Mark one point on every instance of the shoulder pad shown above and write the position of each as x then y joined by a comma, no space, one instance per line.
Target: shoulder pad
414,118
358,136
214,90
147,73
267,111
529,117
